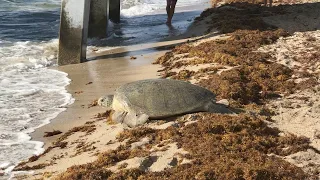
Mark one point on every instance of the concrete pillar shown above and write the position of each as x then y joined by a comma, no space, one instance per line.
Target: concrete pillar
114,11
73,31
98,22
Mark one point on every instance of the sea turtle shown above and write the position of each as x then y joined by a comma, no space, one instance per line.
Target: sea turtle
134,103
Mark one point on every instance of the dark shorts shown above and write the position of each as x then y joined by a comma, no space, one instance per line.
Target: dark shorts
171,2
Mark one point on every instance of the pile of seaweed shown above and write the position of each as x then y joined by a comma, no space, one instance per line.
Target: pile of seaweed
219,146
237,15
254,77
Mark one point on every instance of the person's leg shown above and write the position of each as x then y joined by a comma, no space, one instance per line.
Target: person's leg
172,8
168,10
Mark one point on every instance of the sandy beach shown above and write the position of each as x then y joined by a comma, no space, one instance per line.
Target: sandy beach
264,63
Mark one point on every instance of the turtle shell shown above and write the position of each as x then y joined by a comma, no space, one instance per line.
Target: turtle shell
160,98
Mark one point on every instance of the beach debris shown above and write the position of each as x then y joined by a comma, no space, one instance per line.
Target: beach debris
89,83
110,121
133,57
89,122
47,174
93,103
102,116
88,129
61,144
134,103
84,147
28,168
52,133
78,92
184,75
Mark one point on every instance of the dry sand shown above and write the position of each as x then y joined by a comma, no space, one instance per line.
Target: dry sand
298,113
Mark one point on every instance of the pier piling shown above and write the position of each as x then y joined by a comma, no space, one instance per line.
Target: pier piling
80,18
98,21
73,31
114,11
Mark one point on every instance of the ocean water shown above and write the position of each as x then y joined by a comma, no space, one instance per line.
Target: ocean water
31,94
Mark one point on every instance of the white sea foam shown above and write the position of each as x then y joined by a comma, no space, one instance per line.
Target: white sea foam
131,8
32,5
30,96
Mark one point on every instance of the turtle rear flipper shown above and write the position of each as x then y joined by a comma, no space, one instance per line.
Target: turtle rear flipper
218,108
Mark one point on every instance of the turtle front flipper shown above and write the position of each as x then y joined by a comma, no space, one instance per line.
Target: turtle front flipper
132,119
119,116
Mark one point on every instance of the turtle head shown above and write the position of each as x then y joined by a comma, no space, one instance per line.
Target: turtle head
106,101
